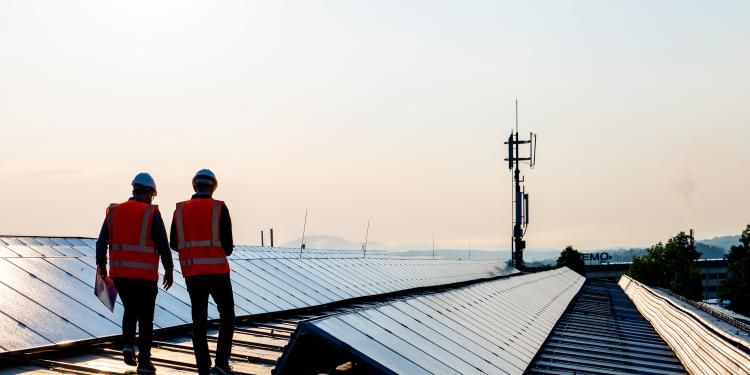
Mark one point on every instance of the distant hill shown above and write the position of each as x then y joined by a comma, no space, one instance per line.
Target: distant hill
455,254
330,243
724,242
710,249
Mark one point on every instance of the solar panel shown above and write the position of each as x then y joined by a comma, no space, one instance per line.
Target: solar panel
492,327
43,293
48,296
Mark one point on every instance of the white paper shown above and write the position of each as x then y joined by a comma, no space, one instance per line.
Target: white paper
106,291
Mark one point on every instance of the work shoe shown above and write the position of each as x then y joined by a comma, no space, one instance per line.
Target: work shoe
146,367
222,370
128,354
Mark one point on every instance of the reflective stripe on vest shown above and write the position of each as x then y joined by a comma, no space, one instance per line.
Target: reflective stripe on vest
119,267
200,256
191,261
142,249
130,264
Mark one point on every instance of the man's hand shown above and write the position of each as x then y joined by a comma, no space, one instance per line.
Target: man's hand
102,269
168,280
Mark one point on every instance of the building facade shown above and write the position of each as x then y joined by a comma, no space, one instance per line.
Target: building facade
713,272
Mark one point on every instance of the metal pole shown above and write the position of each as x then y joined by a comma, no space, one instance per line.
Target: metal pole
261,239
364,246
518,199
271,234
304,227
433,245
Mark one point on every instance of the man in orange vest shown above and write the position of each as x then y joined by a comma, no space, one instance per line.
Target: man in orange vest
202,235
135,234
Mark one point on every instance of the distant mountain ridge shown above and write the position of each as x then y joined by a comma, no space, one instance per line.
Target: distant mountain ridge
724,242
714,248
318,241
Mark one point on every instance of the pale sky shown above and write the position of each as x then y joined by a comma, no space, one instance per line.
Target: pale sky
392,111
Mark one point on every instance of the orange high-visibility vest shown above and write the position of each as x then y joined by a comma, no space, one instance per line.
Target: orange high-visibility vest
198,241
131,250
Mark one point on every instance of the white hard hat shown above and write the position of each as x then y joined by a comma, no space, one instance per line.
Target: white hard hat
206,176
144,179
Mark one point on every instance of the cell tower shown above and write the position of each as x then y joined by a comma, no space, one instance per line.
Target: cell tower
520,208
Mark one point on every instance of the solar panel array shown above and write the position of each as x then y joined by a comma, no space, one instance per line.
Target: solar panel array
704,346
48,298
493,327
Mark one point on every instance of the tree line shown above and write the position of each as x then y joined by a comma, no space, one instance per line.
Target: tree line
673,265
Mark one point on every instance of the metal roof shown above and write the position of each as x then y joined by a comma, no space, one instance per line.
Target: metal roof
48,296
493,327
603,333
381,314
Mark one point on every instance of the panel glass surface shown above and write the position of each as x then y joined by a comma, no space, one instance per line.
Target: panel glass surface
37,318
284,294
24,251
376,351
17,336
6,252
65,306
62,270
46,251
403,331
436,333
300,292
340,287
266,299
491,327
68,251
448,327
397,344
29,241
341,267
62,273
314,281
251,301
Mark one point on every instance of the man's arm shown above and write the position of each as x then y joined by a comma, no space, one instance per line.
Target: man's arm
173,235
225,231
101,246
159,237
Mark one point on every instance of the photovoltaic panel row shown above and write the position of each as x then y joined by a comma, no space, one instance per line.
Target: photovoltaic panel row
494,327
48,296
76,247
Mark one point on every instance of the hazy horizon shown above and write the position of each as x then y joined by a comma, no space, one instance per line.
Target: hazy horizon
392,112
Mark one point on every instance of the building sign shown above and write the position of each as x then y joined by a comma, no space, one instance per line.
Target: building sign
595,258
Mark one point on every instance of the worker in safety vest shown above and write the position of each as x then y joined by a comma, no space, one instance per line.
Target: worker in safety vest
135,234
202,235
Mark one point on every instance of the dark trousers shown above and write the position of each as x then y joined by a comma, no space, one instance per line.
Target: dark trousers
139,297
219,287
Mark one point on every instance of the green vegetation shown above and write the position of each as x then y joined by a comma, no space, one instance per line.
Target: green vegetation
737,287
571,258
670,266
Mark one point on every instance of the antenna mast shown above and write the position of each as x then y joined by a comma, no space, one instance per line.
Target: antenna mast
364,245
520,197
433,245
304,227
